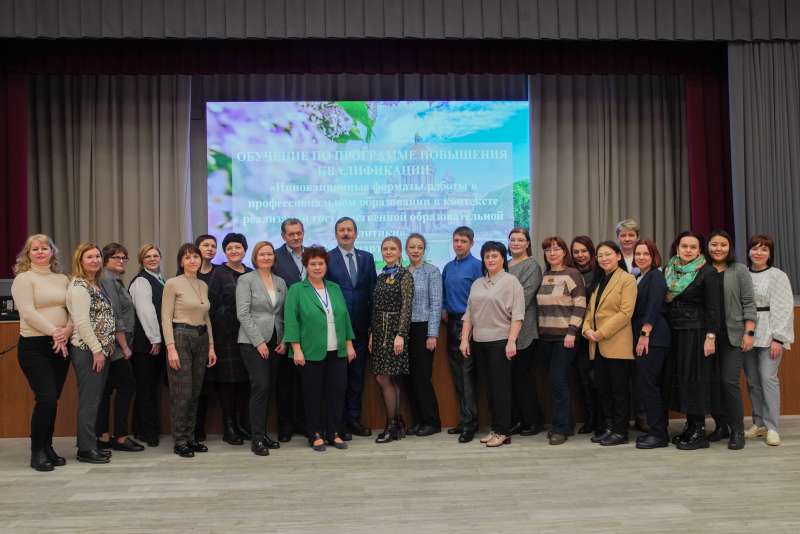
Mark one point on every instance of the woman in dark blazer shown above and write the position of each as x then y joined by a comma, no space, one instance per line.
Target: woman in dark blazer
693,314
317,325
652,340
259,308
230,374
737,330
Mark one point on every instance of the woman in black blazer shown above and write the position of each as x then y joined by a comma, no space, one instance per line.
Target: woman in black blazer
652,338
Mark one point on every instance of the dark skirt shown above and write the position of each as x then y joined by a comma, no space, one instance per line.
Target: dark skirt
693,378
230,367
384,361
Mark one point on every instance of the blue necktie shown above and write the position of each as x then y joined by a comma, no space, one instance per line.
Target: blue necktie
351,266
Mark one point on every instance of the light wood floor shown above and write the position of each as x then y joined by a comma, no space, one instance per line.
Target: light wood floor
416,485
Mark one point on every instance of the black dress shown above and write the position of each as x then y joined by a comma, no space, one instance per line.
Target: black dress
391,316
691,315
222,294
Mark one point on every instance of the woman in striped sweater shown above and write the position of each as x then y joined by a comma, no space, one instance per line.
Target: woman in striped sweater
561,303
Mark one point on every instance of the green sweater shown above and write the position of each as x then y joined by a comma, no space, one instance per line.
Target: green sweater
305,321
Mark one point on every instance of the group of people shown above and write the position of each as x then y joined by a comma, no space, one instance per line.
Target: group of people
644,337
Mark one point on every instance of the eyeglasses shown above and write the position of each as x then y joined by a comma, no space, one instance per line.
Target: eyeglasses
120,258
553,250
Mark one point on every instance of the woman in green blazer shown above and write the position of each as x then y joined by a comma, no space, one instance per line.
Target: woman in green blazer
317,327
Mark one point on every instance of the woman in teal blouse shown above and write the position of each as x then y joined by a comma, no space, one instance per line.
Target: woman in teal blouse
312,307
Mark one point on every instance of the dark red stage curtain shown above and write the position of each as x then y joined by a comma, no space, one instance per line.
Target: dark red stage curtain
709,152
13,169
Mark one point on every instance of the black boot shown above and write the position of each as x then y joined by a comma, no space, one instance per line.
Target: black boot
243,428
40,461
390,432
54,458
696,439
683,435
229,433
736,441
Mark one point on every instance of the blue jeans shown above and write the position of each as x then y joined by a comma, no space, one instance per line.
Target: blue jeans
558,360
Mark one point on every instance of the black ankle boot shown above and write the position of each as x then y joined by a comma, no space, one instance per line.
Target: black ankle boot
390,432
696,439
229,433
40,461
243,428
683,435
736,441
54,458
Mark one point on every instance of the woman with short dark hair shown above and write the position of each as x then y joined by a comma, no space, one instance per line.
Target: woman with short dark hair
492,323
121,381
774,335
693,314
317,326
230,373
736,333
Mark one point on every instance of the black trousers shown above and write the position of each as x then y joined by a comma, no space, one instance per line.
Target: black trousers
324,387
613,382
465,379
149,371
291,414
525,398
495,368
731,360
423,396
46,372
649,378
121,379
263,374
559,361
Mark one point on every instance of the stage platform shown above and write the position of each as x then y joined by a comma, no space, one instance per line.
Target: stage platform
416,485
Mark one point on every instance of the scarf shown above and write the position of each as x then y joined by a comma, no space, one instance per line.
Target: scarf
679,275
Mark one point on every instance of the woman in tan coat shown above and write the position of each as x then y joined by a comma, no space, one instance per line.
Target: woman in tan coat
607,326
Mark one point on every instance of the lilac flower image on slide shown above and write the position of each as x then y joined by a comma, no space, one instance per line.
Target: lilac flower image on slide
395,167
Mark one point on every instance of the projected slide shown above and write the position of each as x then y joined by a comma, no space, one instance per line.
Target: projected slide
394,167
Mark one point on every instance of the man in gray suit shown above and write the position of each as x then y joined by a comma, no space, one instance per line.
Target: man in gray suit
289,266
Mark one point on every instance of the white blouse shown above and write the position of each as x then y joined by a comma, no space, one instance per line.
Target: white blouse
772,290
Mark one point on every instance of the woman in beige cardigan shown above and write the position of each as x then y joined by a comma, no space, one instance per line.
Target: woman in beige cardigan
607,326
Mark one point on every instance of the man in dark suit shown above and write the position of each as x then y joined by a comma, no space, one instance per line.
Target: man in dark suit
354,271
289,266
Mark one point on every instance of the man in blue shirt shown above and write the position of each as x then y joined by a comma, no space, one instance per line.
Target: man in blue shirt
457,278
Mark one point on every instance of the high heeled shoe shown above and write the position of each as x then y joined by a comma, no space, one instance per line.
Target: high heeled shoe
390,432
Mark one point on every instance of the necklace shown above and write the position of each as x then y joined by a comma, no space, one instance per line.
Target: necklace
196,289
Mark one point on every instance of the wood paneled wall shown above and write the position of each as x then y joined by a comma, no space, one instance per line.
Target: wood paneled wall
16,398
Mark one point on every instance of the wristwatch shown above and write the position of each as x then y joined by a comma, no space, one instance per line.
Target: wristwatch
712,337
750,333
644,333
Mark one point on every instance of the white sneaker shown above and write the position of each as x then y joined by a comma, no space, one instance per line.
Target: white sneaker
773,438
755,432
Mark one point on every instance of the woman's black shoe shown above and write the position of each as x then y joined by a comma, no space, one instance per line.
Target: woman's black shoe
695,440
390,433
93,457
271,443
683,435
54,458
614,439
243,429
428,430
229,433
649,441
598,438
196,446
736,441
40,461
126,446
720,432
259,447
184,451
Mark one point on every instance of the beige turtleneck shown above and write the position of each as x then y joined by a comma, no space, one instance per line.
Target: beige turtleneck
40,295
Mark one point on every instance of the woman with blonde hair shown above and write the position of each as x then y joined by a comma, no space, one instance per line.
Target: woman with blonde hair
40,294
93,342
